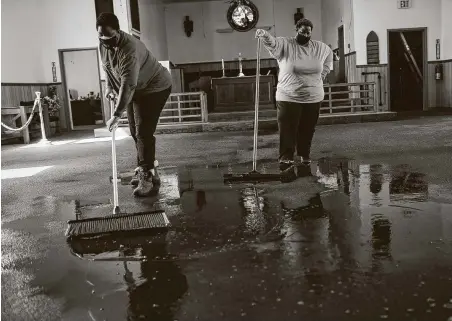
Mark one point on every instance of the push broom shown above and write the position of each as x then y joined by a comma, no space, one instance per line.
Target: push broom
254,175
118,221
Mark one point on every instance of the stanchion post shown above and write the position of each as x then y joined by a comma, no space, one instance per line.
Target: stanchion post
44,139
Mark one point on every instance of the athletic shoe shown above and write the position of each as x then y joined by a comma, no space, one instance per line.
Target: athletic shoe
145,186
155,178
285,165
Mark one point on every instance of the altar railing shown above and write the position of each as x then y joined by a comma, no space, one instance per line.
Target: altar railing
183,108
349,98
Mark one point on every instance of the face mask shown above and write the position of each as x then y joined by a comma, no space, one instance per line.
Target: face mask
108,42
302,40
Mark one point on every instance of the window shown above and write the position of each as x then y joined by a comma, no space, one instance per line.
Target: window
134,15
103,6
373,49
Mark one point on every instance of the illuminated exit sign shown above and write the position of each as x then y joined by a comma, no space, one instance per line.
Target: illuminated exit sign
404,4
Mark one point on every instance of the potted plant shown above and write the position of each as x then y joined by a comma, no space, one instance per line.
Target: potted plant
53,102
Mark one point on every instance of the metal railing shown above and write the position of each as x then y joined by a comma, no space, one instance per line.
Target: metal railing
345,98
349,98
190,107
182,108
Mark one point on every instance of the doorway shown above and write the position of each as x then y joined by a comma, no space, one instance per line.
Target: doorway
80,75
341,41
407,63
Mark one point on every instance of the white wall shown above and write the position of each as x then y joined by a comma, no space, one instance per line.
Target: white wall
121,11
29,46
81,71
446,28
284,11
205,44
63,25
153,27
380,15
336,13
21,54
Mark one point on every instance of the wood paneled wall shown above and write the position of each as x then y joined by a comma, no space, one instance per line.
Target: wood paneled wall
353,73
228,65
14,93
333,76
177,75
440,91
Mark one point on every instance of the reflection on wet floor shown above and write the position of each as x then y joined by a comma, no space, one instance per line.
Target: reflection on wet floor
350,241
346,232
154,283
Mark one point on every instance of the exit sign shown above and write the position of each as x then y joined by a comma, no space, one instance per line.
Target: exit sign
404,4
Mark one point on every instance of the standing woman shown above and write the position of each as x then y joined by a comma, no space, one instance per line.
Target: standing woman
303,65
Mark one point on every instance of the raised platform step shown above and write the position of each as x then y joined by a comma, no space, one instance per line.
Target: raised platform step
241,115
264,124
249,115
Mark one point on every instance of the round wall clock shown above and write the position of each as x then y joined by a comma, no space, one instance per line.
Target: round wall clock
242,15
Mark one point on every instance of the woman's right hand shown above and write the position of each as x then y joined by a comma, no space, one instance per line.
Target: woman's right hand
109,94
260,33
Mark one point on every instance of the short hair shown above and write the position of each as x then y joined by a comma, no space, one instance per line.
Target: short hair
304,22
107,19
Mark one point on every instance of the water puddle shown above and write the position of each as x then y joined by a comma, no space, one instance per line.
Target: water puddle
353,237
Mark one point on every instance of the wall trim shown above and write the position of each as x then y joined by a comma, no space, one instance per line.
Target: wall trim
370,66
440,61
216,62
30,83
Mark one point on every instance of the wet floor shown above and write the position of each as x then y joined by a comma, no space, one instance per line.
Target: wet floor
341,240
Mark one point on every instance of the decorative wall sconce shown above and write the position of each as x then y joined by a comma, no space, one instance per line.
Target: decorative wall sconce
54,74
188,26
298,15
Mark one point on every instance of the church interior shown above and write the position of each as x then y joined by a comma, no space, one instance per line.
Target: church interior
389,56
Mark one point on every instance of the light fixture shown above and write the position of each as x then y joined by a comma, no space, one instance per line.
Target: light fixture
298,15
188,26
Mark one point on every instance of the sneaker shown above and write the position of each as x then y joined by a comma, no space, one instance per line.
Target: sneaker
285,165
155,178
145,186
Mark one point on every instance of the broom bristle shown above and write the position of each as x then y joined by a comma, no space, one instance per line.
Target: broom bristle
118,223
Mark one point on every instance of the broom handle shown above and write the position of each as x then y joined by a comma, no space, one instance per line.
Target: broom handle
113,159
256,102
